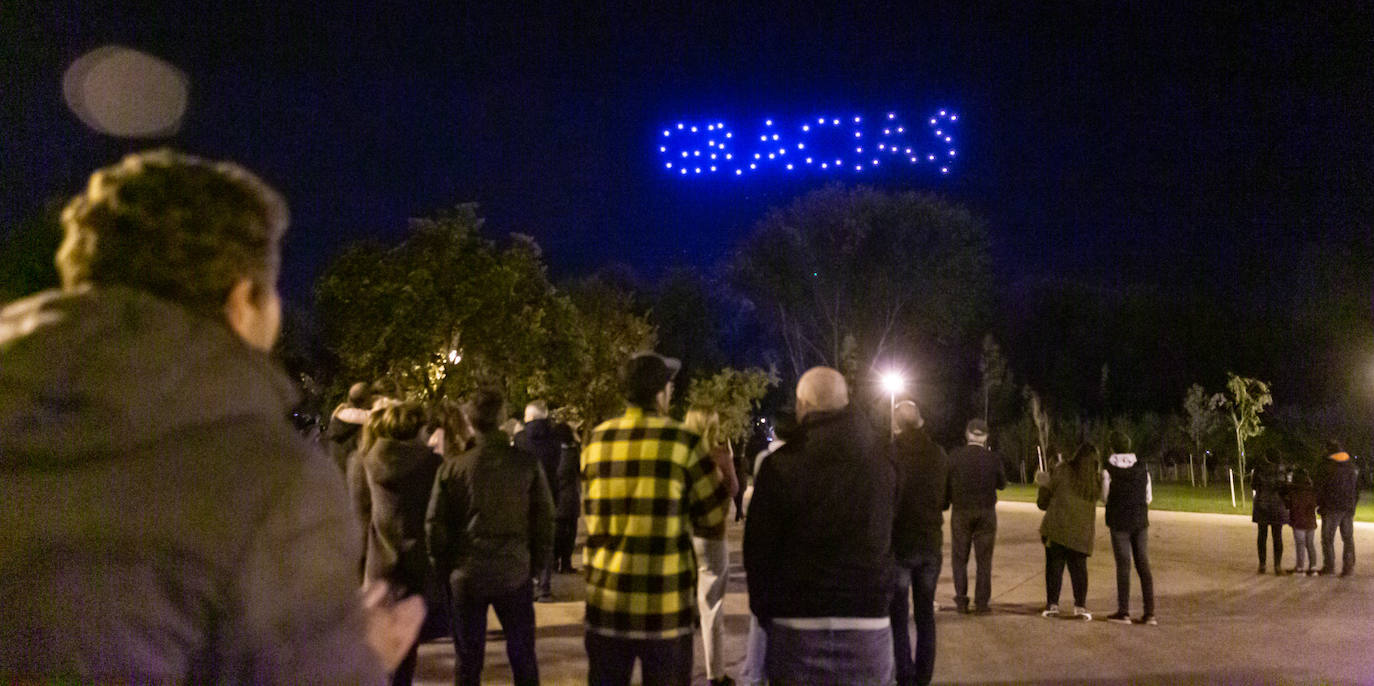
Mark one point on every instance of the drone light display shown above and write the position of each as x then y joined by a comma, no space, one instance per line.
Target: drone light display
820,145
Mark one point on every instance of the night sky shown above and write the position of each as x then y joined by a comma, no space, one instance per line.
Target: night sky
1099,141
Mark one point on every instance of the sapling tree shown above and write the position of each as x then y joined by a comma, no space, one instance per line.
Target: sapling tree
1204,418
1248,399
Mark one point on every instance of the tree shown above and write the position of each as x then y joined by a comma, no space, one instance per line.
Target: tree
734,394
992,367
1248,399
860,273
1204,419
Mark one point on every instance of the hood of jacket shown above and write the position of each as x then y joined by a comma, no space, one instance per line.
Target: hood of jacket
390,459
98,371
1339,457
1122,460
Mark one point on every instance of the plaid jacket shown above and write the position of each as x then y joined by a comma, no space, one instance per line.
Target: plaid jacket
647,488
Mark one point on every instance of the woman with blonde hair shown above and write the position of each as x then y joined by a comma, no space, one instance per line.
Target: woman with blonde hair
713,559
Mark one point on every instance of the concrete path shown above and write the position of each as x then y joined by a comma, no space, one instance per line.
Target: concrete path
1220,622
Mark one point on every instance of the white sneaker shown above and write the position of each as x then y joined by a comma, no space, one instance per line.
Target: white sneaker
1050,611
1082,613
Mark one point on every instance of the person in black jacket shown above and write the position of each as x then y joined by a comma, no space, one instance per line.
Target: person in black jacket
1268,510
818,544
490,523
399,469
1126,488
1337,494
547,442
193,536
975,477
917,536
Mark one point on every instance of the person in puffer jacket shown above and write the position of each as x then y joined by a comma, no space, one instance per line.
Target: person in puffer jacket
1126,488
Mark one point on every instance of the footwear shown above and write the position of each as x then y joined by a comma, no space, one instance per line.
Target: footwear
1347,572
1050,610
1148,620
1295,570
1280,572
1119,617
1326,571
982,610
1261,569
544,598
961,608
1311,571
1082,613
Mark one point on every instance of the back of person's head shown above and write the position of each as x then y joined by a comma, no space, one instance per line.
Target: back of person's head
180,227
454,420
488,410
821,389
398,421
646,375
706,423
1333,446
976,431
1301,477
360,395
537,409
907,417
1119,442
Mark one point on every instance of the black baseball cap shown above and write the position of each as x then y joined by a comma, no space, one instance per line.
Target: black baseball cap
648,372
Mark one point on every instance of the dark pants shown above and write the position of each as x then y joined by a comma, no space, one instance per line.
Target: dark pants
1278,543
978,529
666,661
1056,558
1125,546
564,540
921,578
515,611
1345,522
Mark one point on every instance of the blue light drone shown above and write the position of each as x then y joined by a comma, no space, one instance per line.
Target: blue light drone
826,146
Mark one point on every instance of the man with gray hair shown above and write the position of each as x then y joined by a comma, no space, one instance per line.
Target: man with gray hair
975,477
818,544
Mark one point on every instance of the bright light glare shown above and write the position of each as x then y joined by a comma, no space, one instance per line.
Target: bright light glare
893,382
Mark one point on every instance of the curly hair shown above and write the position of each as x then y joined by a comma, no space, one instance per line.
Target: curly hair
174,225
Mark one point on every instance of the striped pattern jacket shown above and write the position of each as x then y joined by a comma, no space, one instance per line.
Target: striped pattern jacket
647,488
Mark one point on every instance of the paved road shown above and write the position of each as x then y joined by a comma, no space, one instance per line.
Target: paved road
1219,621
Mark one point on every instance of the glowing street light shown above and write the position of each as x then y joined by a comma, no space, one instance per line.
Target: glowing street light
893,382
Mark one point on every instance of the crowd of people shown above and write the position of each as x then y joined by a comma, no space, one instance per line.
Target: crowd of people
178,529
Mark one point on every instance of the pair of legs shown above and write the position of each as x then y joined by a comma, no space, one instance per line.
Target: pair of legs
976,529
1264,529
1056,558
713,562
921,578
564,539
1345,523
610,660
1128,546
752,672
1305,548
514,609
817,657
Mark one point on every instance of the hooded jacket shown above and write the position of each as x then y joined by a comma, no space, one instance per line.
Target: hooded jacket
1126,488
400,475
1337,484
818,539
161,520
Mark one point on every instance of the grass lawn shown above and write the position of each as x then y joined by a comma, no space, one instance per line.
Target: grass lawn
1216,498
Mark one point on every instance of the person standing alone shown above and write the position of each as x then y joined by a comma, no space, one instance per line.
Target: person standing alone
975,477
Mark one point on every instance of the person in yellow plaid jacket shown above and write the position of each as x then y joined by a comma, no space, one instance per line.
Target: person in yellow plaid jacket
648,486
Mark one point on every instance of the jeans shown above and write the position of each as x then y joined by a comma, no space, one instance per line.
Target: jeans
921,578
1056,558
1278,543
610,660
1345,521
1125,546
713,561
515,611
976,528
564,540
828,656
1305,547
751,671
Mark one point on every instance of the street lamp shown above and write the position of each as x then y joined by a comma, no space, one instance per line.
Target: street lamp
893,382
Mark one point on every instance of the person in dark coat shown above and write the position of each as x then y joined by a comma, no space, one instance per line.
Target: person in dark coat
163,521
490,522
1068,494
1302,514
1269,511
400,470
1126,488
918,533
975,477
1337,494
567,503
818,544
346,423
546,441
